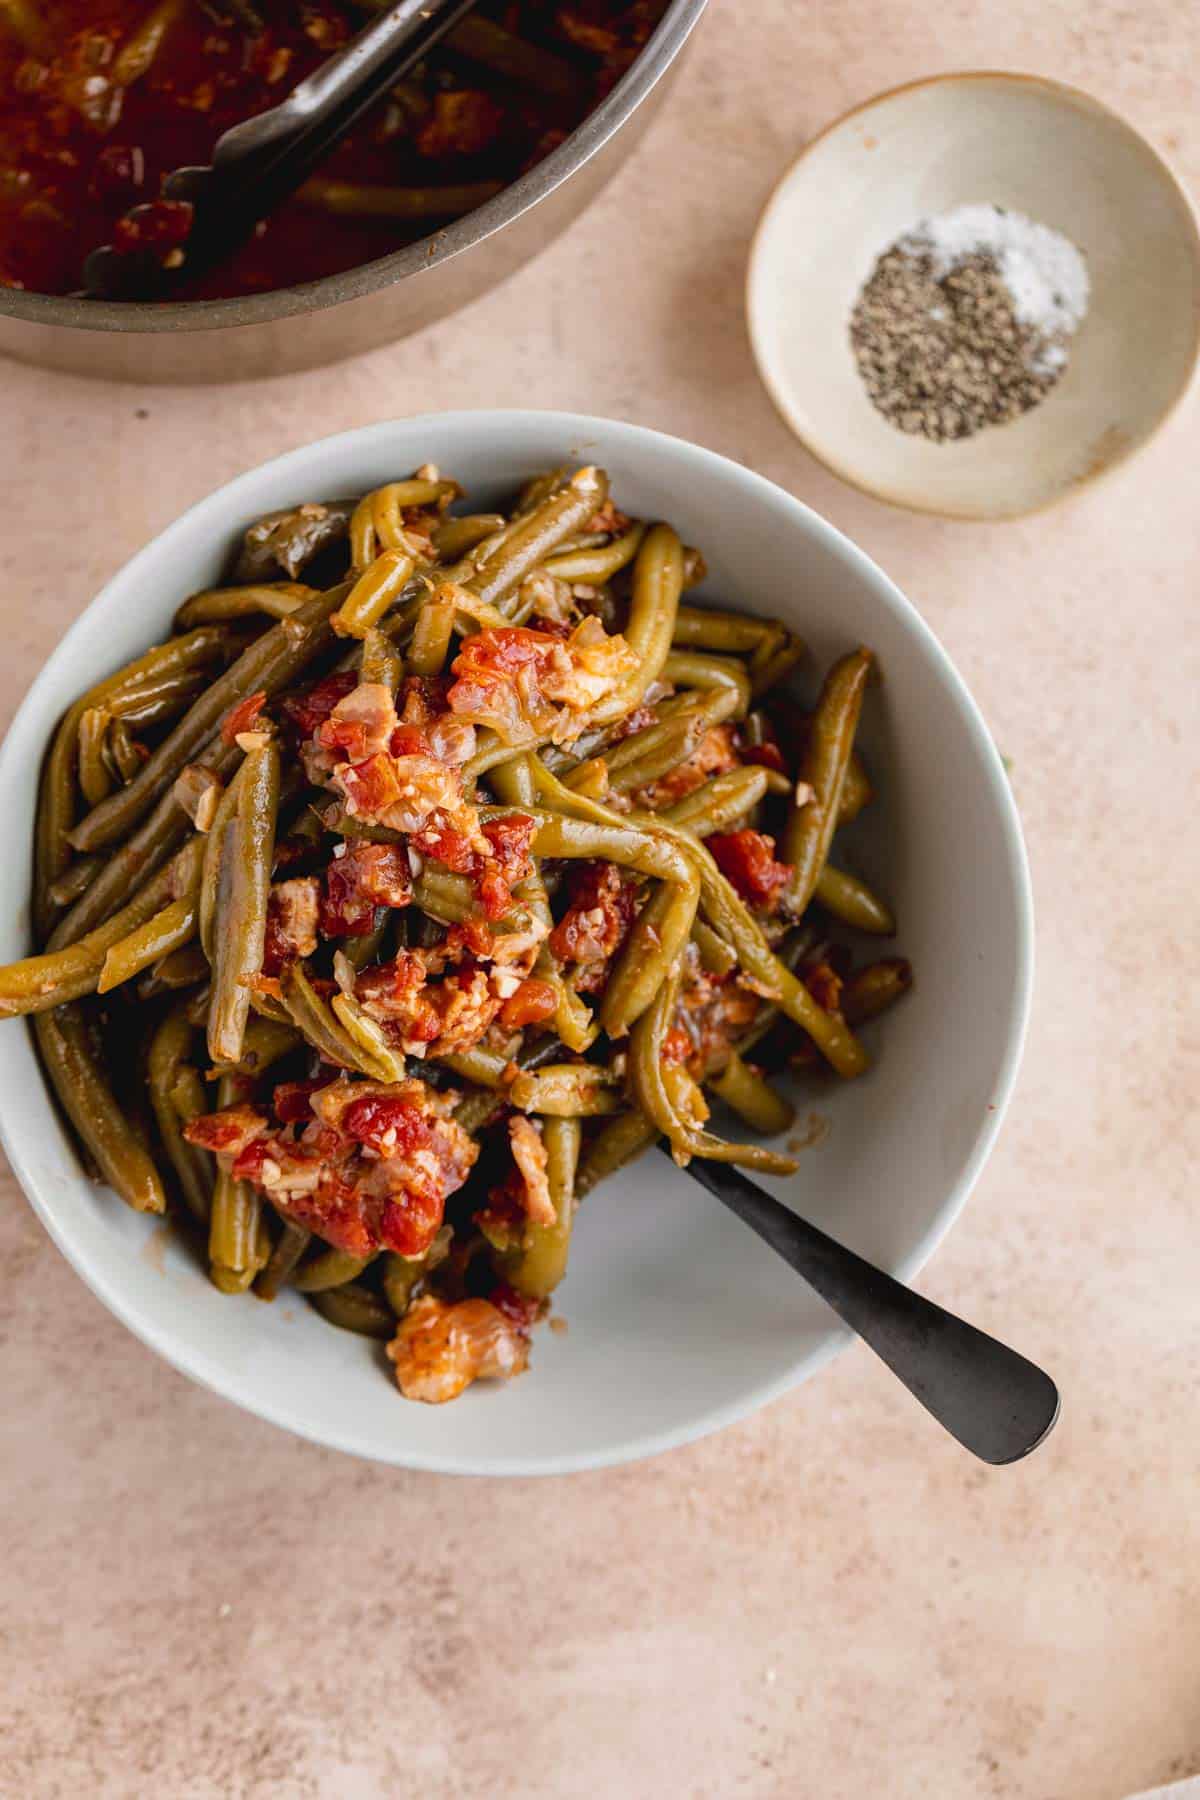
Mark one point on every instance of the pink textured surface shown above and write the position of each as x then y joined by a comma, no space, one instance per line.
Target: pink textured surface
829,1599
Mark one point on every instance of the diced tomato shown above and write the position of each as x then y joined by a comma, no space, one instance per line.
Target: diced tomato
337,1211
367,876
291,1100
510,838
226,1132
248,1165
242,717
389,1126
372,786
767,756
501,650
533,1001
677,1045
602,908
309,709
158,225
747,859
408,740
446,845
409,1223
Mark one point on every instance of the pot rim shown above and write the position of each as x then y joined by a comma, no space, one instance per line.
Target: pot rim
134,317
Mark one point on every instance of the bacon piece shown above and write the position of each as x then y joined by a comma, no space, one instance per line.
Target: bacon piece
715,754
747,859
440,1349
291,1100
361,724
309,709
603,904
242,717
533,1001
506,861
228,1132
292,911
367,876
526,684
529,1154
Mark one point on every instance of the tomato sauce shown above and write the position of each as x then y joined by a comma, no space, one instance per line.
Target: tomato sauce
99,99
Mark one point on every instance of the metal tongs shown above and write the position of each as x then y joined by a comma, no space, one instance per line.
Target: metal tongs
260,162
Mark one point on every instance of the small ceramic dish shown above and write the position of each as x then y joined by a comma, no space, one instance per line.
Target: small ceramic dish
680,1320
1027,145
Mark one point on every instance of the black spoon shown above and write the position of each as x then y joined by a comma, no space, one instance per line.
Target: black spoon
996,1403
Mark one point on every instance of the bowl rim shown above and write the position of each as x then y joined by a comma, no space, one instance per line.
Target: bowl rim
73,312
1066,93
24,745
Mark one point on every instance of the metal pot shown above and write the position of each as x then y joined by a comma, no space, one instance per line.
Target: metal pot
344,315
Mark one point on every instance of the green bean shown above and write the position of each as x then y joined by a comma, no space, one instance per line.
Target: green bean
271,663
235,1227
752,1097
620,1141
75,1071
538,534
447,897
455,538
389,504
37,983
482,1068
539,488
852,901
381,661
376,1057
600,564
876,987
767,673
538,1267
169,1050
124,752
325,1029
720,803
247,854
668,744
210,877
257,599
655,1086
716,956
95,780
514,59
698,628
701,669
69,887
653,605
857,791
567,1091
56,801
170,928
290,1246
810,827
355,1308
21,18
374,593
430,644
359,951
184,968
266,1042
357,200
659,932
329,1269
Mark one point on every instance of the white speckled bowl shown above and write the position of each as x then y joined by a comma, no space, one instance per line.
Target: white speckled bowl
679,1320
1031,146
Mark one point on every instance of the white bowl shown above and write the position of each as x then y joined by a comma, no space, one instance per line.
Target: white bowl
1031,146
679,1319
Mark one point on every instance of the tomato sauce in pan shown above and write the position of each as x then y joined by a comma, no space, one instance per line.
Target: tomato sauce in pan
99,99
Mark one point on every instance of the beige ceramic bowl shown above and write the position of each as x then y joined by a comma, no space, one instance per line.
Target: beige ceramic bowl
1031,146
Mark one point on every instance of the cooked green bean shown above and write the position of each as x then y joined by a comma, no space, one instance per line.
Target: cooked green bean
169,929
852,901
183,968
653,606
290,1246
329,1269
601,563
699,628
259,599
873,989
169,1050
455,538
269,664
721,802
620,1141
538,1267
567,1091
357,200
247,853
515,59
68,888
236,1241
717,957
752,1097
56,801
374,593
810,827
123,751
564,511
210,876
95,780
75,1069
137,54
768,672
326,1029
657,1085
381,661
355,1308
701,669
430,644
37,983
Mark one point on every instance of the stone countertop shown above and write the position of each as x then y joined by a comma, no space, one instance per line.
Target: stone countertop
830,1599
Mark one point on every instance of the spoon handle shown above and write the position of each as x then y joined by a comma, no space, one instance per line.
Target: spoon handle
996,1403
